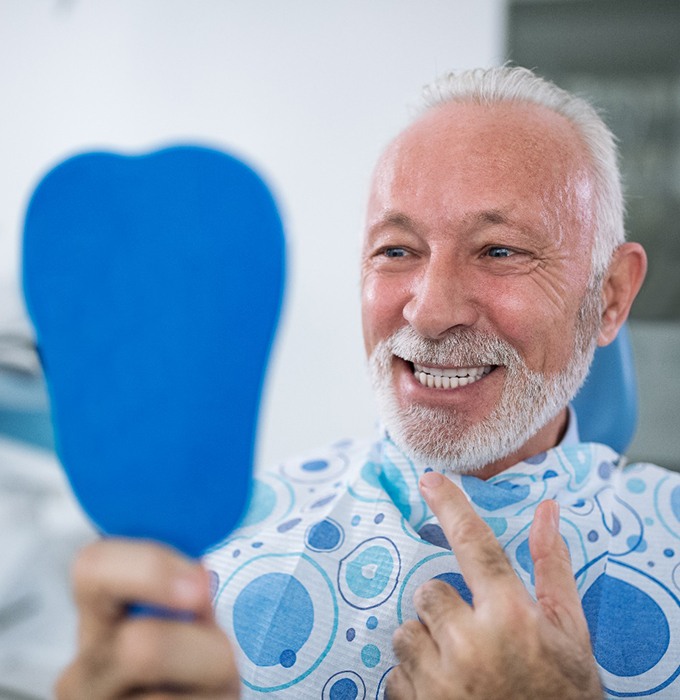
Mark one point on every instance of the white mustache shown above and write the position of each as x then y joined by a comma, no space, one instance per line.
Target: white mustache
462,348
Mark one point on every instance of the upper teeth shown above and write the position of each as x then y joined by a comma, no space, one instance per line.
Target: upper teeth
441,378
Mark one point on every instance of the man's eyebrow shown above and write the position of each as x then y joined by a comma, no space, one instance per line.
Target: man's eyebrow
396,219
488,216
473,220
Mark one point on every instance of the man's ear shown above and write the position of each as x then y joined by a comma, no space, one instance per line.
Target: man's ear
622,283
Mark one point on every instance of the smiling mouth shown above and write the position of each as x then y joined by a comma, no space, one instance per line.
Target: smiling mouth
449,378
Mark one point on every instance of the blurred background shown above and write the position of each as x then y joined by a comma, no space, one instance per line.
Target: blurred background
308,93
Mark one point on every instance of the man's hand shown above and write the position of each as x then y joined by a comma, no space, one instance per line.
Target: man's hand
506,646
124,656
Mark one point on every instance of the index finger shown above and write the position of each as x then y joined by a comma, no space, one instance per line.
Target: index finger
481,558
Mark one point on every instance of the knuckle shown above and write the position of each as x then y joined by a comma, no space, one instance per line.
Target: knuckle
403,638
554,607
513,622
563,555
431,594
468,531
475,536
493,559
512,609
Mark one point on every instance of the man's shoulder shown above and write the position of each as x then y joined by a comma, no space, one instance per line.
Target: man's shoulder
650,487
649,471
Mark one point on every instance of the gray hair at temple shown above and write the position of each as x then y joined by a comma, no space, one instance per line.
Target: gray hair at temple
512,83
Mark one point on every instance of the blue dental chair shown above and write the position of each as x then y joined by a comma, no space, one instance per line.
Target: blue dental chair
24,411
607,405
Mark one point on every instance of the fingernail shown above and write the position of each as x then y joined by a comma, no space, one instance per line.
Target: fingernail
431,480
555,514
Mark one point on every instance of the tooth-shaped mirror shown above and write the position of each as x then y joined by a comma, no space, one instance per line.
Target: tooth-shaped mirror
154,283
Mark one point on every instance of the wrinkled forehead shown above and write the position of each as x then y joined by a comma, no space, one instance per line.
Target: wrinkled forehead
500,147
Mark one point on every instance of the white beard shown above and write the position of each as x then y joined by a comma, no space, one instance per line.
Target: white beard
443,438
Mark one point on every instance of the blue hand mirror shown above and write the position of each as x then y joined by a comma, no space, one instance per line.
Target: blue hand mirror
154,283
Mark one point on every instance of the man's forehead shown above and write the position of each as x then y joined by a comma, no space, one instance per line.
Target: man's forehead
494,144
527,128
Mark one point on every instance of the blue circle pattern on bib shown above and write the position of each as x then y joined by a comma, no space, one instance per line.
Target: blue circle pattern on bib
324,569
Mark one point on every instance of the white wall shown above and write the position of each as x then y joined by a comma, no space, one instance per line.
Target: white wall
306,90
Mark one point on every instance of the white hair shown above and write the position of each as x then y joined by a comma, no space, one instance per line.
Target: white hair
517,84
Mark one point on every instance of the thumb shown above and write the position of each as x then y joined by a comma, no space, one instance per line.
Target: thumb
555,586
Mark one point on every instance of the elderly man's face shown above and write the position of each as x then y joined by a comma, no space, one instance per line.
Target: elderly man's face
478,313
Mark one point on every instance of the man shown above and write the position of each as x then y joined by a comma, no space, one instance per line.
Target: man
493,264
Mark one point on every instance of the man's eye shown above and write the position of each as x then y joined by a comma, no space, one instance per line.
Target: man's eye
499,252
394,252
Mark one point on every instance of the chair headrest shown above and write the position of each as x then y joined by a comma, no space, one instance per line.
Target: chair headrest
607,404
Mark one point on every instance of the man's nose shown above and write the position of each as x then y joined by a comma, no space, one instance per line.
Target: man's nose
442,298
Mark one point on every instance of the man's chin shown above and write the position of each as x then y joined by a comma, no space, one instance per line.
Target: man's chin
437,439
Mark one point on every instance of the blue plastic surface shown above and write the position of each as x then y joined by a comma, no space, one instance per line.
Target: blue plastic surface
606,405
155,285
